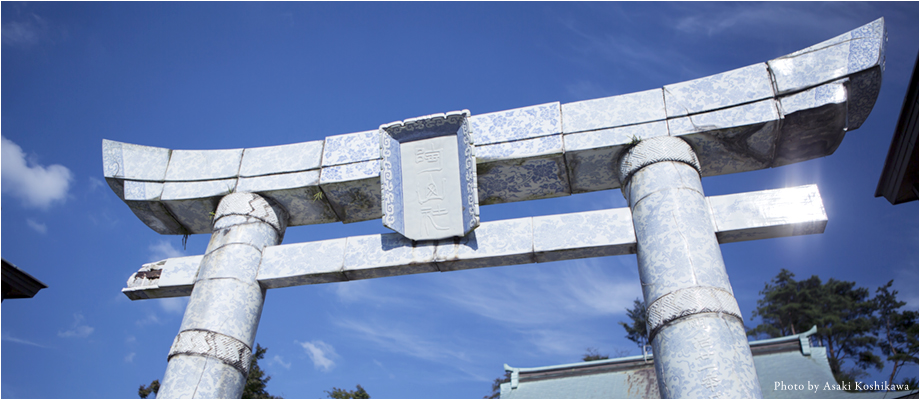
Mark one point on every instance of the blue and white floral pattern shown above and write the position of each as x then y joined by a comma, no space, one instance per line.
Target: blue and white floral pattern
516,124
726,118
611,112
739,86
350,148
737,217
278,159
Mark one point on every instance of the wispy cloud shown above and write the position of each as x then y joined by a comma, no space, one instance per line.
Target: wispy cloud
149,320
95,183
9,338
280,361
405,341
130,357
78,329
573,291
162,250
38,186
37,226
712,20
321,353
173,305
363,292
25,32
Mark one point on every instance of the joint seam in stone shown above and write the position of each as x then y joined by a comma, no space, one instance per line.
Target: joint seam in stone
689,301
210,344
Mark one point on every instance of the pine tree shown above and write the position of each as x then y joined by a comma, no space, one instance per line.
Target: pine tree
255,383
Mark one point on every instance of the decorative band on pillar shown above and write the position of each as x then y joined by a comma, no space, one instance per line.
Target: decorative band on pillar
204,343
689,301
655,150
243,207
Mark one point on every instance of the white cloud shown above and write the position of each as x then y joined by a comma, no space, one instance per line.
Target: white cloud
362,292
568,292
280,361
95,183
23,33
405,341
37,226
9,338
78,329
130,357
321,353
162,250
715,20
38,186
151,319
174,305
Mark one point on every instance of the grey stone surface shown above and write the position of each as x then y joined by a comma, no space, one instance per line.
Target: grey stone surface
286,158
733,121
350,148
132,161
614,111
737,217
225,306
814,123
734,215
731,88
516,124
694,324
583,235
591,156
303,264
199,165
353,190
428,177
483,248
852,52
731,140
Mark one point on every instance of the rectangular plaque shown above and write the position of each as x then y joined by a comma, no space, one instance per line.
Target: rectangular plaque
431,188
428,177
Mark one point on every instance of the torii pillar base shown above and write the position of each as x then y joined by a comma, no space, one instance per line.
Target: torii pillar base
694,323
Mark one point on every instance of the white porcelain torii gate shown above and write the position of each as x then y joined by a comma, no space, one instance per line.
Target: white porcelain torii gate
654,145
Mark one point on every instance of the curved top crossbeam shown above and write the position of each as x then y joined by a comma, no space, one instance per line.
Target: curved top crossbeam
786,110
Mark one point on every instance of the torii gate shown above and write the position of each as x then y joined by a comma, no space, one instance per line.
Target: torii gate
653,145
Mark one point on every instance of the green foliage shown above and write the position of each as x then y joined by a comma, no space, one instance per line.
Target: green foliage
497,386
358,393
257,380
255,383
912,383
850,323
591,354
896,330
637,331
145,391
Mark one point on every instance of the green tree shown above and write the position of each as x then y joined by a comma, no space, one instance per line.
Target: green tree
591,354
843,314
896,330
257,379
255,382
358,393
145,391
497,386
636,331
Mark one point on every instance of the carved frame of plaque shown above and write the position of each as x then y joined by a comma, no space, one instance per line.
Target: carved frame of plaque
428,176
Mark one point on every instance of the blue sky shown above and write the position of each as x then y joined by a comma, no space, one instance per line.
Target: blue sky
235,75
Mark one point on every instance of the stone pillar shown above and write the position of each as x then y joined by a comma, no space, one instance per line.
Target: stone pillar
211,354
694,324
